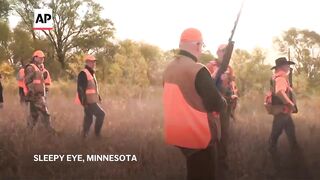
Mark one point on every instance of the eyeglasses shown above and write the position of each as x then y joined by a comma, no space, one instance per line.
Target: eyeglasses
199,44
202,44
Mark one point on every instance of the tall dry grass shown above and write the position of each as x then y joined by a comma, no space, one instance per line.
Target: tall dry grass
133,125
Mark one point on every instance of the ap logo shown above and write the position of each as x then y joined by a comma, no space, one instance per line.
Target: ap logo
42,19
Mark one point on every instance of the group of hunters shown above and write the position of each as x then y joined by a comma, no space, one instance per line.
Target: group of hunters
197,112
34,81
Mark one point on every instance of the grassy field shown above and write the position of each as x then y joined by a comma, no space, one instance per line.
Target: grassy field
134,126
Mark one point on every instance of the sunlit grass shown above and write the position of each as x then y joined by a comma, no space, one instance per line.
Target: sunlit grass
133,125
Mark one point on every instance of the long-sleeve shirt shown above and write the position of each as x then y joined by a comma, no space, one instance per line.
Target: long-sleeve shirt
208,92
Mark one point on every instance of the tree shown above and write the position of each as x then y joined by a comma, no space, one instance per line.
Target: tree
73,29
24,8
305,51
22,46
206,57
154,58
5,39
251,72
6,69
4,9
105,59
129,67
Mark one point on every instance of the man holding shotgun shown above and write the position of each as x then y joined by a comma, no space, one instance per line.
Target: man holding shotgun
283,105
224,119
190,98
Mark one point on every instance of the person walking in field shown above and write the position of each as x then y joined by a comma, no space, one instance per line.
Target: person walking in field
190,99
230,92
88,96
35,84
281,105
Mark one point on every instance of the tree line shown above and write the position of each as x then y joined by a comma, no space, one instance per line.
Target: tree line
80,29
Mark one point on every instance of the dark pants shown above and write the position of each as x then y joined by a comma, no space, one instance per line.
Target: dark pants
201,164
282,122
90,111
39,107
22,96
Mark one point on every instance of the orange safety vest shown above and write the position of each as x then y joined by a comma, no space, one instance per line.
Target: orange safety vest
184,125
20,78
38,81
48,80
92,93
186,122
21,82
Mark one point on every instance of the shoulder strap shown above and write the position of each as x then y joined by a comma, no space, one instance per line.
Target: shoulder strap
36,68
89,76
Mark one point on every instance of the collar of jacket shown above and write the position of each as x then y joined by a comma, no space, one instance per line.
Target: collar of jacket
90,69
187,54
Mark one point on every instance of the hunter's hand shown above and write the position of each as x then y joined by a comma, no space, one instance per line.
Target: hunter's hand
234,97
292,106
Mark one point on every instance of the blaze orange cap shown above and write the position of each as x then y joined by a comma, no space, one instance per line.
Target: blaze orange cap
38,53
191,34
89,57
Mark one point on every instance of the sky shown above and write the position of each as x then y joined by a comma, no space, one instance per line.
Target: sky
160,22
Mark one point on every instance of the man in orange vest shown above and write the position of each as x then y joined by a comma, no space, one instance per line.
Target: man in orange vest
89,97
283,105
229,90
21,85
35,84
190,98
